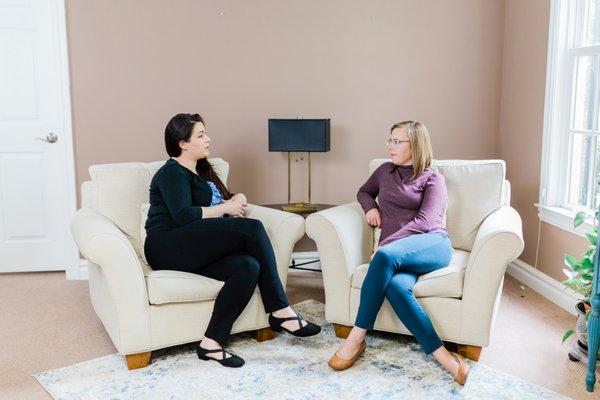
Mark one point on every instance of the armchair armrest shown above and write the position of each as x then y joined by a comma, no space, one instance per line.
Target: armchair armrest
102,243
284,230
344,241
499,241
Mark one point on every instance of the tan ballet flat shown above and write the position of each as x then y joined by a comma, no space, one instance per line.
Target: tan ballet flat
463,369
338,363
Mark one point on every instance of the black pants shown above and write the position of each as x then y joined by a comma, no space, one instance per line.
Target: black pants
234,250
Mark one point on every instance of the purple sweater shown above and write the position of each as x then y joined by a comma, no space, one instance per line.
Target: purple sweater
406,207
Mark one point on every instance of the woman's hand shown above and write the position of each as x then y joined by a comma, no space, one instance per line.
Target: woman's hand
374,218
234,207
241,197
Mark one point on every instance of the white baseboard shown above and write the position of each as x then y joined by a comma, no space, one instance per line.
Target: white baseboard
548,287
83,269
304,256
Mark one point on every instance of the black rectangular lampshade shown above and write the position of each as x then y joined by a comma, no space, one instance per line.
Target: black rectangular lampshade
299,135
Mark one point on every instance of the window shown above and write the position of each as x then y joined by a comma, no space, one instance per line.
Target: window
571,152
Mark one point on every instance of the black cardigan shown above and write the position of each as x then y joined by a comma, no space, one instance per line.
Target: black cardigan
177,196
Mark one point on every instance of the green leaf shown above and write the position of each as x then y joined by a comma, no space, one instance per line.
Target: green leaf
567,335
579,218
569,282
587,263
589,255
579,266
571,261
579,286
582,288
591,238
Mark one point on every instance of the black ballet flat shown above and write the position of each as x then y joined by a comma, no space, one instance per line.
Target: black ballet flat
231,362
309,329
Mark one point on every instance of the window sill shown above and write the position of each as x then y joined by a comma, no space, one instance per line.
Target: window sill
563,218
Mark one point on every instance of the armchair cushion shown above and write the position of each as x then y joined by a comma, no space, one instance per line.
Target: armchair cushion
166,286
445,282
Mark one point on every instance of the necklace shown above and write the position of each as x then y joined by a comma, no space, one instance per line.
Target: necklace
403,178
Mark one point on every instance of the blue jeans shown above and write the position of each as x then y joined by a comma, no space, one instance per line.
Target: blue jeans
392,274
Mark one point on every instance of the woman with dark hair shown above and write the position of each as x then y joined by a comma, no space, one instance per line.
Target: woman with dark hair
185,232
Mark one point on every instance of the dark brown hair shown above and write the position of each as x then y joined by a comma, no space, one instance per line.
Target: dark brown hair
180,128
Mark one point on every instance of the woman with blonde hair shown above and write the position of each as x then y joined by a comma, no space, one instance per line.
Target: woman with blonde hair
414,241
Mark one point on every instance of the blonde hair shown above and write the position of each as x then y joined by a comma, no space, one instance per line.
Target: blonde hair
420,145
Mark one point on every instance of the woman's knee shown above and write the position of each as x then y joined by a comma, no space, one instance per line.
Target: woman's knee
251,223
384,258
399,292
248,267
252,226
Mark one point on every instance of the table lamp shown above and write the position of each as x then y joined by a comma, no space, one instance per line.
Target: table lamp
299,135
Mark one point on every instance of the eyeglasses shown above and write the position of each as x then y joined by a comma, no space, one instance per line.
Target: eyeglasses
395,142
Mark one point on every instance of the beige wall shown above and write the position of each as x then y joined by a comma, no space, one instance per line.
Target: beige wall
472,70
521,127
363,64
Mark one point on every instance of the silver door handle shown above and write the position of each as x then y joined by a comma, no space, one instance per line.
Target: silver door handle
51,138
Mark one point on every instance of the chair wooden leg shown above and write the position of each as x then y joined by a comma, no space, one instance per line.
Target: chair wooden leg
342,331
264,334
140,360
470,352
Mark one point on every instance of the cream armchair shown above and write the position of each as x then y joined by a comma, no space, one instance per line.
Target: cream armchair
461,299
141,309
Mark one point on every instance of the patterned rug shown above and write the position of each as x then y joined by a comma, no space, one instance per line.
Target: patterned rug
392,367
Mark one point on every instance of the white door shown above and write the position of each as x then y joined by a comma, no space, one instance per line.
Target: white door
37,193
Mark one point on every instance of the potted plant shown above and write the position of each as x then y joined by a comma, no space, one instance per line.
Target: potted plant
580,274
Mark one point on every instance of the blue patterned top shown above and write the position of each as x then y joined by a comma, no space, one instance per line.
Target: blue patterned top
217,197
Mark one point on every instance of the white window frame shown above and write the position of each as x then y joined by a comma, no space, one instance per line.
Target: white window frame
557,111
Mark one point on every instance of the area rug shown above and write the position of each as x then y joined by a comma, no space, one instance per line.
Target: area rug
392,367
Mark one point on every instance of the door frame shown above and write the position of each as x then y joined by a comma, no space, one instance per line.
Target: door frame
73,270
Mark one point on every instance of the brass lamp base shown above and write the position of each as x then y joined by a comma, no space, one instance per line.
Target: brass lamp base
299,207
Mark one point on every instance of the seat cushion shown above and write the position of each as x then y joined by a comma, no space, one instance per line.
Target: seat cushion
445,282
166,286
